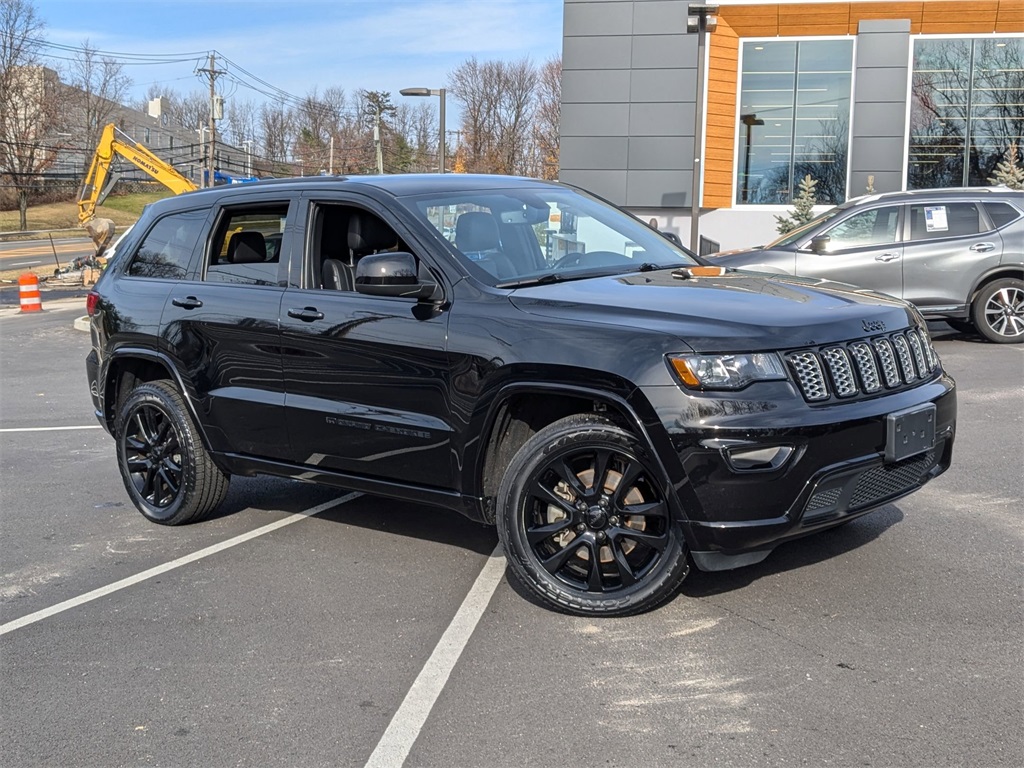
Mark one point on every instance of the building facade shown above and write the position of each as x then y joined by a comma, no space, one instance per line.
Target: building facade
862,96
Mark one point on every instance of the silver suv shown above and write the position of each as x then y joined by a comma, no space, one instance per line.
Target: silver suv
957,254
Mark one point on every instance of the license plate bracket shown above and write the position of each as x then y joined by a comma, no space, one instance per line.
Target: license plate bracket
909,432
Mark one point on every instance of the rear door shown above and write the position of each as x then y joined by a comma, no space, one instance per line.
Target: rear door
367,377
863,249
222,330
948,244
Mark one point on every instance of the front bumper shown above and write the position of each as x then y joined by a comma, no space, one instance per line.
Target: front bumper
836,468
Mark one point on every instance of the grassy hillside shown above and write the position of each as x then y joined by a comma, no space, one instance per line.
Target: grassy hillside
123,210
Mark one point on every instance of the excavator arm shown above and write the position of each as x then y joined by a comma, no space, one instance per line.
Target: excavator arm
100,179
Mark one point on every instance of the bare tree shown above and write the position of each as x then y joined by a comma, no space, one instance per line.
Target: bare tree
98,84
277,125
547,116
28,112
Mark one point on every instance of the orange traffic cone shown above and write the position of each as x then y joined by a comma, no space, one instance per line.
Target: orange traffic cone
28,289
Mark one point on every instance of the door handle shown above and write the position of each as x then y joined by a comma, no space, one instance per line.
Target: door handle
983,247
887,256
309,314
189,302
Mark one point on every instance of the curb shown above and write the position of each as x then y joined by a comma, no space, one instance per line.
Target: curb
82,323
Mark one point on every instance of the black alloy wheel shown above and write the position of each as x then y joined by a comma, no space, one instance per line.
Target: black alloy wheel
166,470
586,523
998,311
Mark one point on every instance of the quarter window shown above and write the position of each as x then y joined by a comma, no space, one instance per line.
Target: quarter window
1001,213
166,250
794,119
246,246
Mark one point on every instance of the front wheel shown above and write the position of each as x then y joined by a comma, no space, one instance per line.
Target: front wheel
585,521
166,470
998,311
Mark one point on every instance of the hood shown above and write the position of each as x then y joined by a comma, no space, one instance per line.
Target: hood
739,311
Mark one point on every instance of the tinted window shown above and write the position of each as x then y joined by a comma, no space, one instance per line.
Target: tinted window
873,227
1001,213
932,221
246,246
167,248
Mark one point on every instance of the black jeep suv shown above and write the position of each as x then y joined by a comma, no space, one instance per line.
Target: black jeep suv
515,350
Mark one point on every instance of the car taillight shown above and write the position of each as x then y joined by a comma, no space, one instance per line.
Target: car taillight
91,300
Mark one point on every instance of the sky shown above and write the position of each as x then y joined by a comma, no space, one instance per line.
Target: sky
299,45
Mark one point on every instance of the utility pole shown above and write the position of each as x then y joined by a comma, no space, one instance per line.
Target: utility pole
211,71
376,142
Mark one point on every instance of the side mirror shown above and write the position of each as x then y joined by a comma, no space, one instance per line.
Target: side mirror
820,243
392,274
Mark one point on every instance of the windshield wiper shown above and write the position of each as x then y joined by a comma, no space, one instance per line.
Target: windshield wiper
550,277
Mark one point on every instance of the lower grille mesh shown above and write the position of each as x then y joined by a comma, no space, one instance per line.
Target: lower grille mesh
890,479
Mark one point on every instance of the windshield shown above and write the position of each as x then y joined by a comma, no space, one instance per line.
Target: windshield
532,235
791,237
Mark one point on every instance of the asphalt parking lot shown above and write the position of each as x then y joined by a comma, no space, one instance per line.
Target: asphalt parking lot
303,626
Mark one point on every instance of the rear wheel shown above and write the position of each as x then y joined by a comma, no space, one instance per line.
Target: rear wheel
585,521
998,311
166,470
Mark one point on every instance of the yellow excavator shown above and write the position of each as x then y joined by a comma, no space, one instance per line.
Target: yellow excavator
100,179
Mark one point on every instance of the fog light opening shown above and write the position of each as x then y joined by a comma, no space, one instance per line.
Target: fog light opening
765,459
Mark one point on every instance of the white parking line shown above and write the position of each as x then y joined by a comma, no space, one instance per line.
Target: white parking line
74,602
393,747
47,429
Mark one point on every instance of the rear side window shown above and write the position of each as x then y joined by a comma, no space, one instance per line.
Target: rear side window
1001,213
246,246
933,221
166,250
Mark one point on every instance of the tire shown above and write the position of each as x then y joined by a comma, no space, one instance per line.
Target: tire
166,470
998,311
961,326
581,492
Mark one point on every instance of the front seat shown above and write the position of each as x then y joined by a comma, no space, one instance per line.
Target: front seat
335,275
368,234
476,235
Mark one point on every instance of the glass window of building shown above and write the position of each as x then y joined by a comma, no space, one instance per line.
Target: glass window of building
967,107
794,119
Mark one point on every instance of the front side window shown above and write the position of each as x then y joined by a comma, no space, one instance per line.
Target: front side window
794,119
246,245
166,250
866,228
967,108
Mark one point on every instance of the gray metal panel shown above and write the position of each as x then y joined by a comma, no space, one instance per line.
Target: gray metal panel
671,119
656,18
597,52
656,153
882,50
658,189
608,184
596,120
871,26
884,119
598,18
882,84
594,153
878,154
654,85
595,86
677,51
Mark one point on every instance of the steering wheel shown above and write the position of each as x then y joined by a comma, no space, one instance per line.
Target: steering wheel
592,259
569,260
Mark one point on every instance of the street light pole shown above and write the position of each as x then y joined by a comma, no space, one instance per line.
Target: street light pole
441,149
701,20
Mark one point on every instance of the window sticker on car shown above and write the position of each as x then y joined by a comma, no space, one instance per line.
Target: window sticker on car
935,218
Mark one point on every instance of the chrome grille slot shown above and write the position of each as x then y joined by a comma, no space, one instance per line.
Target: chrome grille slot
888,359
903,354
841,371
809,375
917,348
866,367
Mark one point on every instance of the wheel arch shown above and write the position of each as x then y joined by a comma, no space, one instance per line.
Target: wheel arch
1015,271
520,410
131,365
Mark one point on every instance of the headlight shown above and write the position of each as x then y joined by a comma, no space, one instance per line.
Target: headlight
726,371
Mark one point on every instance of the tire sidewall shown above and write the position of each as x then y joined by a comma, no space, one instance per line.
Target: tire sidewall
978,311
548,444
156,395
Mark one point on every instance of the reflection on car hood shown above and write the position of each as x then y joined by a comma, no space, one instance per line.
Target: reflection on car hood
734,312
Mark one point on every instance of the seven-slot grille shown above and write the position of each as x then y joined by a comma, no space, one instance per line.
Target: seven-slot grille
863,367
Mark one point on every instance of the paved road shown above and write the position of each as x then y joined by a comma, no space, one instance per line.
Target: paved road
894,641
27,254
